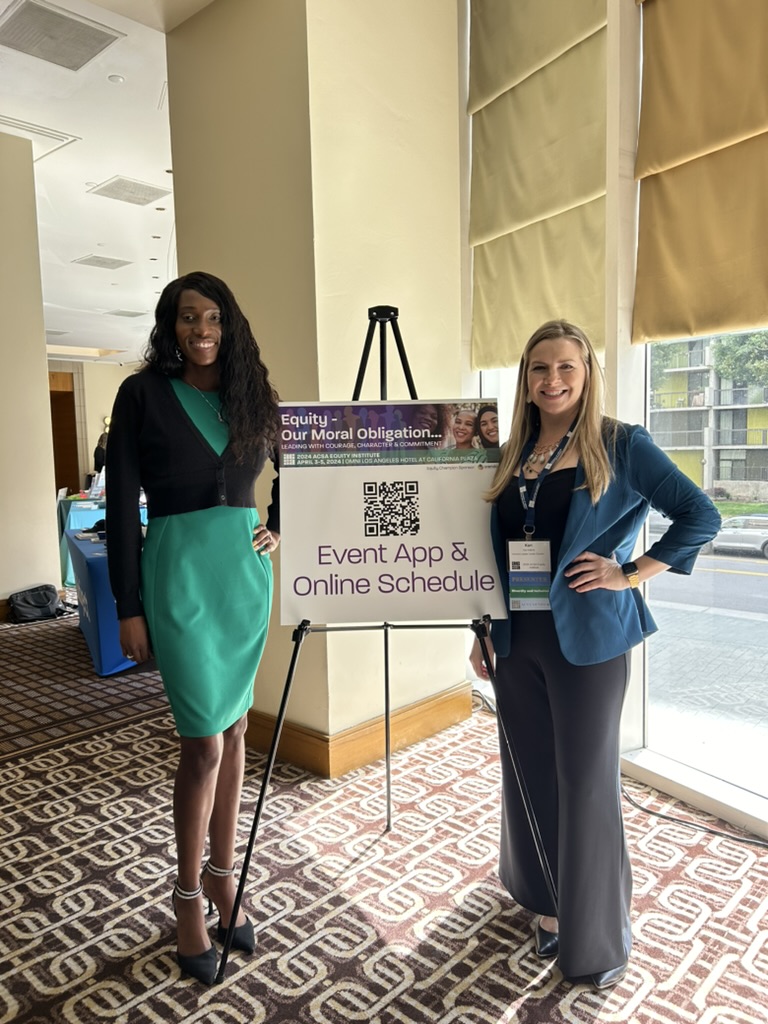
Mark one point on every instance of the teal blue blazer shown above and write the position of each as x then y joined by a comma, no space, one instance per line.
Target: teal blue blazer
602,624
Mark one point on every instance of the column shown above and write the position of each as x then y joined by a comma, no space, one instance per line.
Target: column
29,536
317,170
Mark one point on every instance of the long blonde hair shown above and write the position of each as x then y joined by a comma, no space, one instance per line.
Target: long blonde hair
592,430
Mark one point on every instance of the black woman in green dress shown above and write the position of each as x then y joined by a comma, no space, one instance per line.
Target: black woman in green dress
194,427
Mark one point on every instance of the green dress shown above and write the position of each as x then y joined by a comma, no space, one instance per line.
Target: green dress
207,596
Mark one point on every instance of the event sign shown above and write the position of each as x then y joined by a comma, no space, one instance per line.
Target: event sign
382,511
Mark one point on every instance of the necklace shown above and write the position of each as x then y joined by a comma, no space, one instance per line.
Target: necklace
209,404
540,454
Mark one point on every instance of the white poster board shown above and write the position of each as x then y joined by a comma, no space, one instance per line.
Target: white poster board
382,512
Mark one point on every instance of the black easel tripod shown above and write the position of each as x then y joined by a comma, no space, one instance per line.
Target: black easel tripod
382,315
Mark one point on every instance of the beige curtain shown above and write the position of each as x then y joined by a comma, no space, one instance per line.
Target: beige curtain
537,206
702,158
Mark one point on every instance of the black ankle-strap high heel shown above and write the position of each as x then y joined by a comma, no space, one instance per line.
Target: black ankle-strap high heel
243,937
203,965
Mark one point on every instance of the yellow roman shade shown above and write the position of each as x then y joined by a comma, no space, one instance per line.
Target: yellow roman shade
702,160
537,205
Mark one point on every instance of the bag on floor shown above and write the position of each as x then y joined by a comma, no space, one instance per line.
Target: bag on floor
35,604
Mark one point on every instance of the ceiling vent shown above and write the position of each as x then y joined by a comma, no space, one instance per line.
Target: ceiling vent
44,140
123,312
129,191
53,34
102,262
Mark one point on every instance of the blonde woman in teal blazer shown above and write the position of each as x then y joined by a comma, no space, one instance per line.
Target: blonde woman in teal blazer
580,485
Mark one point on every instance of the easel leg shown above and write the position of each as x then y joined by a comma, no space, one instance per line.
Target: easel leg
387,728
364,357
480,629
404,359
299,634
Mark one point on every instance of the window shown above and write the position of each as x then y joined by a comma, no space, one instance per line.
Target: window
707,700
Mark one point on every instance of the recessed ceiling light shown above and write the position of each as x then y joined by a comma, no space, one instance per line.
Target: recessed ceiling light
116,79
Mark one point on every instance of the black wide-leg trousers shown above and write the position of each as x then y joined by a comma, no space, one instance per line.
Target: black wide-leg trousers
564,722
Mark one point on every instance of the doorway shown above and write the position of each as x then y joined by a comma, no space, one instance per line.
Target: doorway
61,388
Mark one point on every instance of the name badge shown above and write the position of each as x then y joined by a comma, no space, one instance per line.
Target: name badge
530,575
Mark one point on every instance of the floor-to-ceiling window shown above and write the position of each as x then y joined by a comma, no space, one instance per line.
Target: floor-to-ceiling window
707,666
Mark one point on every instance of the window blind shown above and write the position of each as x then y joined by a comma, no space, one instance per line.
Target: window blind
702,162
537,204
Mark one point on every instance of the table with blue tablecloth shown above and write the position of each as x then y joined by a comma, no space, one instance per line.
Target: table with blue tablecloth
75,515
79,515
96,605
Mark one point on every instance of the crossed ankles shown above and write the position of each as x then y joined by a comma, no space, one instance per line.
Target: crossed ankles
203,966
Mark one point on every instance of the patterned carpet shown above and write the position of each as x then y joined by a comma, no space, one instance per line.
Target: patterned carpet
51,692
410,927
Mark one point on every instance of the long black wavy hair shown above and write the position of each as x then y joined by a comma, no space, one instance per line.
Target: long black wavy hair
248,400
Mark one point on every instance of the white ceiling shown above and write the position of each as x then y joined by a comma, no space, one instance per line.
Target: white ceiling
116,129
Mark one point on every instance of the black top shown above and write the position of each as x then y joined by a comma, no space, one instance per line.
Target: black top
552,505
155,445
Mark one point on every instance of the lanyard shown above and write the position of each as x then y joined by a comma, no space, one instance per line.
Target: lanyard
529,504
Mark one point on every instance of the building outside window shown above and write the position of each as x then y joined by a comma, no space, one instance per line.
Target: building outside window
707,666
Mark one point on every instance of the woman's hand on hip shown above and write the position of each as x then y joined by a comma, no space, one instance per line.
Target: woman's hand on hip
589,571
477,661
265,541
134,639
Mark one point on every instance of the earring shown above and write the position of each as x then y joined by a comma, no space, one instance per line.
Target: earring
177,353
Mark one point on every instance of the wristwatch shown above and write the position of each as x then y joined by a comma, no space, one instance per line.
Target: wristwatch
630,571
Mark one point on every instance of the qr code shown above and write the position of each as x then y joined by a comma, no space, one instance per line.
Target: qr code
391,509
514,565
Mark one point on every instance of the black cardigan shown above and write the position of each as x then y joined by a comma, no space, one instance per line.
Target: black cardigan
154,444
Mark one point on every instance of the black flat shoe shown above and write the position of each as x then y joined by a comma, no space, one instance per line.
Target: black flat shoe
546,942
202,967
243,937
607,979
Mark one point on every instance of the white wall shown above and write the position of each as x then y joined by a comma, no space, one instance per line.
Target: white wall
100,384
